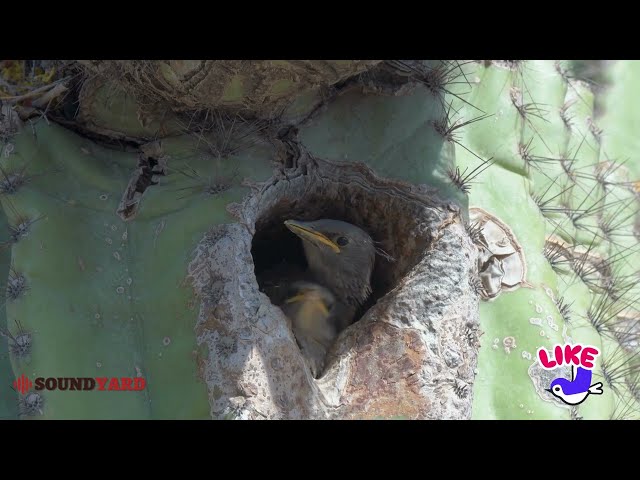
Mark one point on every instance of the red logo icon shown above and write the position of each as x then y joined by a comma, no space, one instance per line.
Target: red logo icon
22,384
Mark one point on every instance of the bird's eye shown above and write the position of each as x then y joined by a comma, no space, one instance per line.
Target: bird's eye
556,388
342,241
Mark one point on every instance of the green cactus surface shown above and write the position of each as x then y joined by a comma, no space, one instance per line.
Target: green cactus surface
104,297
561,185
8,402
97,239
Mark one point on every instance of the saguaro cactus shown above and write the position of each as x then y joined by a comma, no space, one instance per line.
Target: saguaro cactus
564,200
140,221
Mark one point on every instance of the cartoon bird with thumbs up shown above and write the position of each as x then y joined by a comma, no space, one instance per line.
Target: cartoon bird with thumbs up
576,390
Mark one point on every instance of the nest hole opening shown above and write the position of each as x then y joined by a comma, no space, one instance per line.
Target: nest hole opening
398,227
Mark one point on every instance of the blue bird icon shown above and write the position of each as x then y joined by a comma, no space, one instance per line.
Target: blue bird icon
576,390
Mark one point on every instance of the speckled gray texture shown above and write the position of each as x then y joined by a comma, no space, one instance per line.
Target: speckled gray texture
413,353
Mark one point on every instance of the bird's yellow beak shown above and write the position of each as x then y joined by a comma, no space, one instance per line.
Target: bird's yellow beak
306,232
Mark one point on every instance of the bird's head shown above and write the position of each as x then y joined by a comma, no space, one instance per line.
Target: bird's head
556,387
316,298
340,255
310,308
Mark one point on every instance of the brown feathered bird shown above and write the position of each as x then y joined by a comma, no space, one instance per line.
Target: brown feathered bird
341,257
310,308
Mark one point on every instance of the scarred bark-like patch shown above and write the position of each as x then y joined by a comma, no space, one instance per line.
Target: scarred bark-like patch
407,356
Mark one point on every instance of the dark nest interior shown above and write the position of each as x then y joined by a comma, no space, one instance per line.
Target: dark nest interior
401,229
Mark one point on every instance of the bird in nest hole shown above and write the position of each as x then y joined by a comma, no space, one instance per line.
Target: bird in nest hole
323,301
